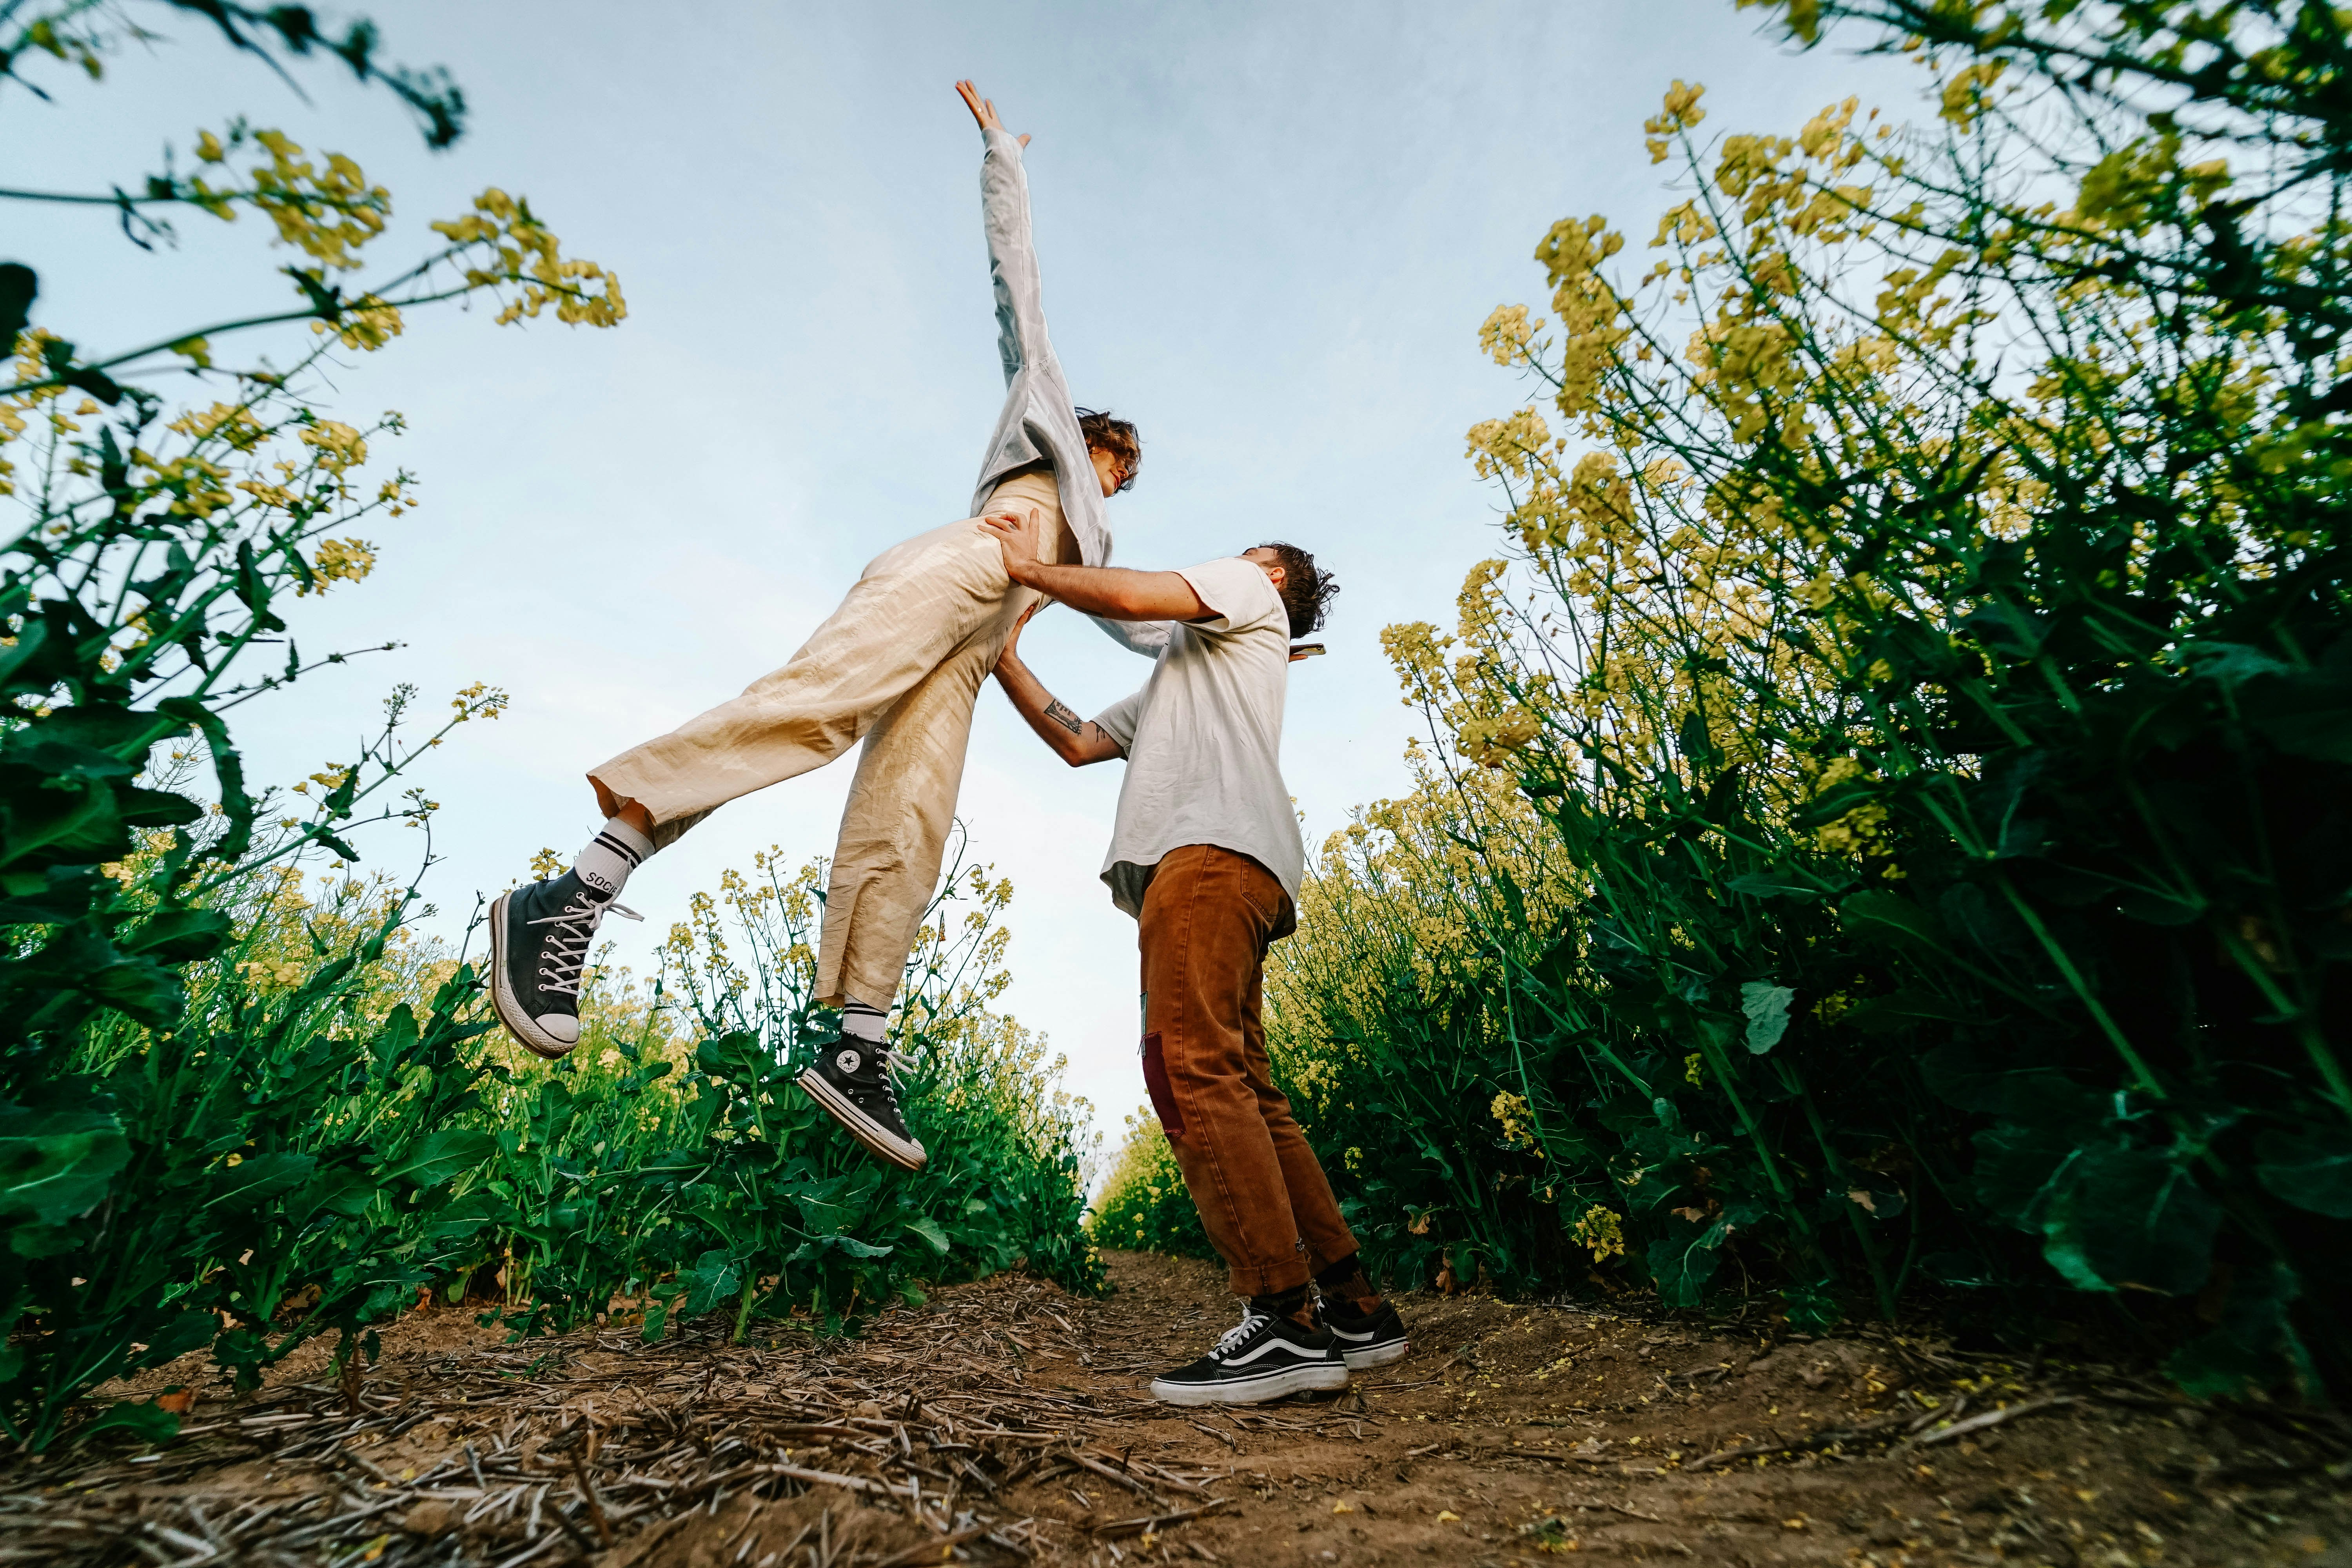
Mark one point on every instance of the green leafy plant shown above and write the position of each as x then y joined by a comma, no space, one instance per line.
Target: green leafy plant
1143,1202
153,1167
1884,826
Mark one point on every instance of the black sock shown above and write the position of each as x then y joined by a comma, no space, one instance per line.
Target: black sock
1345,1283
1290,1303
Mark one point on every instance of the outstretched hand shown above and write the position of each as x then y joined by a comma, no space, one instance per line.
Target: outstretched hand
983,109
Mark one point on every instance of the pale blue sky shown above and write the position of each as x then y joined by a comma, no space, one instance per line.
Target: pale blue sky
1268,234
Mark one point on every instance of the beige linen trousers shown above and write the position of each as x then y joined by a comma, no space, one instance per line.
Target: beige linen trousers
899,665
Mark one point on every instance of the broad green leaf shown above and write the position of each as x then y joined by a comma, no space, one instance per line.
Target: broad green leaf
438,1157
1683,1263
2017,1167
253,1181
928,1230
18,288
1766,1006
1882,916
2229,662
189,1331
2304,713
140,987
2254,1346
149,1423
2312,1170
397,1039
1902,1009
342,1191
2006,628
737,1056
1966,1270
55,1164
1813,1308
2066,1254
1778,885
716,1277
2130,1217
848,1245
179,936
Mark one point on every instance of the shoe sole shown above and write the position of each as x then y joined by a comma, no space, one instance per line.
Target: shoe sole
506,1003
1376,1355
1256,1391
878,1140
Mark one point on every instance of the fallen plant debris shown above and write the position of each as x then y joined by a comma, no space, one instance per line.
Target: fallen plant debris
1004,1422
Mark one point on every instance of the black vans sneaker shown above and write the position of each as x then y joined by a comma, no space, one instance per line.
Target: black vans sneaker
1260,1359
540,936
1375,1339
850,1081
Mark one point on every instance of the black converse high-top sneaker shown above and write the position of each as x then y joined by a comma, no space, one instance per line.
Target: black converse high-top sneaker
850,1081
539,935
1263,1357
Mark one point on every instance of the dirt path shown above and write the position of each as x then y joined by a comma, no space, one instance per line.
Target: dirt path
1006,1421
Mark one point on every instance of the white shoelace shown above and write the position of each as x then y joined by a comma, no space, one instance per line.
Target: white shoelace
1231,1340
567,948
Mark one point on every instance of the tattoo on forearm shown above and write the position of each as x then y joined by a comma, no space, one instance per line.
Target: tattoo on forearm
1063,716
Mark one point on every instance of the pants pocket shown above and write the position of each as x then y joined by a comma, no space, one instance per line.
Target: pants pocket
1155,1082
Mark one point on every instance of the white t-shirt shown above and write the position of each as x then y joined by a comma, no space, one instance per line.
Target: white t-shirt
1203,739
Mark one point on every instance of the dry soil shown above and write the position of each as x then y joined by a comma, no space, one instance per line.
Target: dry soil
1007,1422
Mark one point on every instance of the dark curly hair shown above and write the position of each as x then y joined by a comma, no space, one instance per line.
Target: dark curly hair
1106,432
1307,592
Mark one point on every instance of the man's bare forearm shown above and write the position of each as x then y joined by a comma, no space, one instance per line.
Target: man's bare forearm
1115,593
1075,741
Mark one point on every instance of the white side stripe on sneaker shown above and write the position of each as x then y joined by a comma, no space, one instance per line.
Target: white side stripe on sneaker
1271,1346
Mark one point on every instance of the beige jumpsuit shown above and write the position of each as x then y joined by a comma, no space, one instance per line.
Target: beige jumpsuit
899,665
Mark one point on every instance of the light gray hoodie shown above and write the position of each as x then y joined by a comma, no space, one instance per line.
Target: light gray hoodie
1039,421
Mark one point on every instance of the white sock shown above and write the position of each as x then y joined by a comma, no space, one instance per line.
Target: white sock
616,851
862,1022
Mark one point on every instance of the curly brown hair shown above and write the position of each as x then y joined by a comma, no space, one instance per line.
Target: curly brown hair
1106,432
1307,592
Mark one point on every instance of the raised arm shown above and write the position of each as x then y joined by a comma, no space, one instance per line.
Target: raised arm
1021,339
1106,592
1075,741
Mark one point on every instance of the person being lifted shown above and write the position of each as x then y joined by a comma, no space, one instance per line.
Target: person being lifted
1205,854
899,666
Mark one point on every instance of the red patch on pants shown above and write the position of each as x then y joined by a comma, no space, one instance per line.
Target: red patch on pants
1155,1080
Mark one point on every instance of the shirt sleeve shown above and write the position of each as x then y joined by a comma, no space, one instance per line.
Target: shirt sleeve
1146,637
1012,256
1238,593
1118,720
1038,420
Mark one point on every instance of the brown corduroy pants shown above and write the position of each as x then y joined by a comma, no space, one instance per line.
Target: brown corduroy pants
1208,917
901,665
